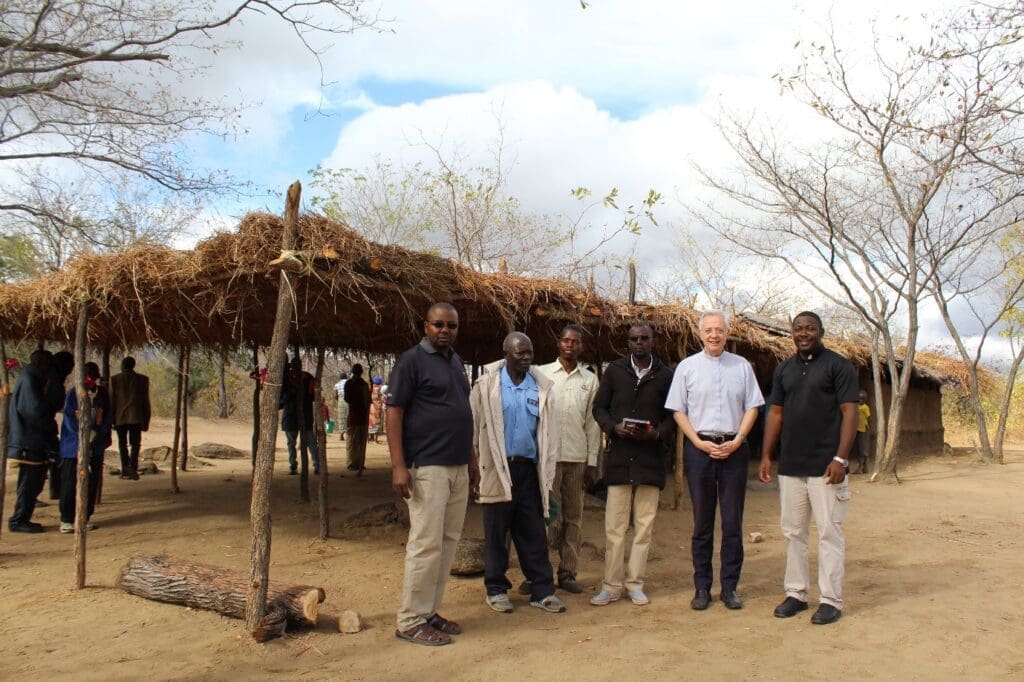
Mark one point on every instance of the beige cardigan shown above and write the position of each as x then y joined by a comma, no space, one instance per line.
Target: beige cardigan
489,436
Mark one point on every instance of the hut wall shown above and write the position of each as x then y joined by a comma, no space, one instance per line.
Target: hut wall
922,415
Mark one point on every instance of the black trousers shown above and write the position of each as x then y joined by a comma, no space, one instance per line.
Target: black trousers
31,479
55,478
129,434
714,483
69,484
523,517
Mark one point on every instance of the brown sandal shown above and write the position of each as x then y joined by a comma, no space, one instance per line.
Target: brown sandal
448,627
425,634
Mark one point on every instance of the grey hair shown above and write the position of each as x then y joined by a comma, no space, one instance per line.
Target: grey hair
506,345
713,313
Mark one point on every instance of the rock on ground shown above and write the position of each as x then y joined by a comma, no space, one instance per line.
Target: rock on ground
349,622
469,557
386,514
160,453
217,451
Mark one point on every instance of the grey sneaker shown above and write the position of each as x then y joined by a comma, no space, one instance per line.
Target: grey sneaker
603,598
638,597
67,527
551,604
500,602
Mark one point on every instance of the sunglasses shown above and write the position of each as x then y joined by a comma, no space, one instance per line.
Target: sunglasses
438,324
642,337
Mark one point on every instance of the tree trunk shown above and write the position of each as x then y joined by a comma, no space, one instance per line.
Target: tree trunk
880,416
5,400
255,402
1004,404
84,444
177,422
222,384
321,441
263,472
162,578
184,408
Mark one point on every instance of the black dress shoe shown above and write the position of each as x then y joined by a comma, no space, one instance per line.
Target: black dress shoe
25,527
731,600
701,599
525,587
570,585
826,614
790,607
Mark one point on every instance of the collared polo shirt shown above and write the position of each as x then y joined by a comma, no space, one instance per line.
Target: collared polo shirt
714,392
810,392
437,427
520,410
579,436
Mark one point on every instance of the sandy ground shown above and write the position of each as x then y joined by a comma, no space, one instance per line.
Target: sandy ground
934,584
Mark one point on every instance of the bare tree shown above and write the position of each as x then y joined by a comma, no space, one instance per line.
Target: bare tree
92,83
866,215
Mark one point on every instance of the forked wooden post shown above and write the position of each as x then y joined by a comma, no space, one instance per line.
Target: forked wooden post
177,422
84,444
321,442
263,472
5,400
184,409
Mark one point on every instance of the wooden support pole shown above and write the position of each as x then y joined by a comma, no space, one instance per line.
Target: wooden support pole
184,409
84,444
263,472
301,387
105,377
677,494
321,441
177,421
5,400
632,283
255,402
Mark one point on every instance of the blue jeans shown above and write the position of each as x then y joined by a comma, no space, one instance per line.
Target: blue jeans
714,483
308,441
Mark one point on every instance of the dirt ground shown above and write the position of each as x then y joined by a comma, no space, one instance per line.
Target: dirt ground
933,588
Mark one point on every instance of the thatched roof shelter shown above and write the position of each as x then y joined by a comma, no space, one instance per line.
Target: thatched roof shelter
349,293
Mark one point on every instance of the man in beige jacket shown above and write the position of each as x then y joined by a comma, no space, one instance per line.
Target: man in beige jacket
130,407
515,436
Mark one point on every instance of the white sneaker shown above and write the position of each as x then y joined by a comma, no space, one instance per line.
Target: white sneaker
551,604
500,602
67,527
90,526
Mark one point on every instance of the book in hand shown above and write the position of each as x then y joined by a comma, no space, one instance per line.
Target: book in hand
636,423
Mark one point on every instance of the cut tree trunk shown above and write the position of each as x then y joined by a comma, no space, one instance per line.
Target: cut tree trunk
263,470
212,588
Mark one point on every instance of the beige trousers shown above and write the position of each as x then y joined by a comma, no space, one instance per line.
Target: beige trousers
567,533
437,510
643,502
802,498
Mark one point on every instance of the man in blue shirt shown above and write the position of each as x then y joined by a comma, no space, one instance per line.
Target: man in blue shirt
515,435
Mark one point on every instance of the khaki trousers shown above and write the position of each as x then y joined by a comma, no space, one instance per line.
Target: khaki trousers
437,510
643,501
567,532
801,498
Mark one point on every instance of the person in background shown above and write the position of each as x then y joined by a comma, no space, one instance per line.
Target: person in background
357,395
339,395
129,403
69,433
863,435
28,417
376,409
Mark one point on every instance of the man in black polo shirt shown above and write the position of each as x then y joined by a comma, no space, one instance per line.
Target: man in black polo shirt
430,437
813,404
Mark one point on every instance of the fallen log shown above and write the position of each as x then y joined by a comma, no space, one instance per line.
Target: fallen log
212,588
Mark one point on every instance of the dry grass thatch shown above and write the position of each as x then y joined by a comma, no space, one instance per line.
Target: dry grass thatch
349,293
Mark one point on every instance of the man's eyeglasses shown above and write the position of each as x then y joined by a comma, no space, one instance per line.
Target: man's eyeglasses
438,324
641,337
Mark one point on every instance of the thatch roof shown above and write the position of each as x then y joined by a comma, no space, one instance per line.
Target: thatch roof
349,293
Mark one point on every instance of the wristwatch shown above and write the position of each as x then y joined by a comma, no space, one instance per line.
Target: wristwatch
844,462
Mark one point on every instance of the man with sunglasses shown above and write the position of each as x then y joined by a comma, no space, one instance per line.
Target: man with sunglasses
715,398
630,409
430,438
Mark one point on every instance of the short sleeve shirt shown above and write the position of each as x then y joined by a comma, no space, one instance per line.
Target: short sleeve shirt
437,427
810,392
714,392
520,411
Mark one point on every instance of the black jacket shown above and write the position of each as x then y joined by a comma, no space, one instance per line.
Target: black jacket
620,395
289,401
